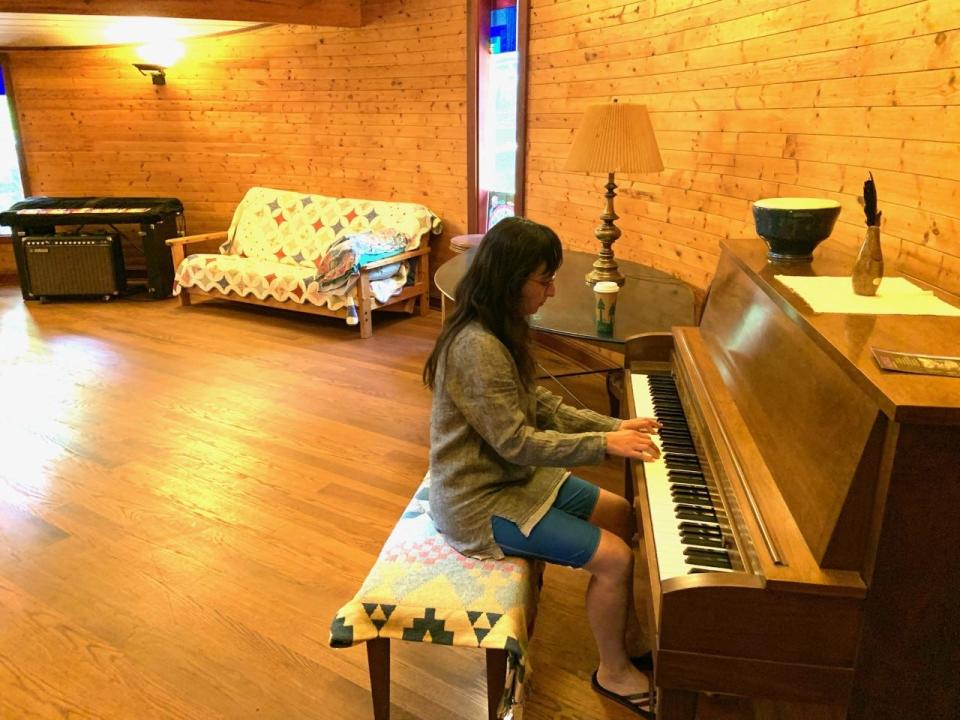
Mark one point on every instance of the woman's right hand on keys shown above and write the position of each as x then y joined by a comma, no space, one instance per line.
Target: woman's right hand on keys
632,444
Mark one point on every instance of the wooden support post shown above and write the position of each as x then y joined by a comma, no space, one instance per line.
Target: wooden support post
378,663
365,307
423,276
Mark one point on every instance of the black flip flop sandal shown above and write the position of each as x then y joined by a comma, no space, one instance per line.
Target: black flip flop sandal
640,703
643,663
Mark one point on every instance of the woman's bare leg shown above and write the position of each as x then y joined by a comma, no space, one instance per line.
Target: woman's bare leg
608,593
612,512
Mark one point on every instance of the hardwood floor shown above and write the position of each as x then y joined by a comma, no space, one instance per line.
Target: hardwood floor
187,495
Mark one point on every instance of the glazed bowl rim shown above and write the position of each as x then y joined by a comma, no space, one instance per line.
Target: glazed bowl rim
796,203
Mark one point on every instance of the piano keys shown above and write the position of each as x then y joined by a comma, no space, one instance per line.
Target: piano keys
787,526
690,531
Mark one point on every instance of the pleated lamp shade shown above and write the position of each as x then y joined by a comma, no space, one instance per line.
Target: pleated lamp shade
616,137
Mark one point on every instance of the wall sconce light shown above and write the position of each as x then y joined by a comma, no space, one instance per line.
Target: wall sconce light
158,56
156,72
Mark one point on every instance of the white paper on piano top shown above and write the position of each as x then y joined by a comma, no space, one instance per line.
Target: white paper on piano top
895,296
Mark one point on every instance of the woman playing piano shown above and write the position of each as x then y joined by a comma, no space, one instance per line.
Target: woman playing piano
499,445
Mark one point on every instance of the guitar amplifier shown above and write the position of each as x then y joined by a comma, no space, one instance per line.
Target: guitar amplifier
74,265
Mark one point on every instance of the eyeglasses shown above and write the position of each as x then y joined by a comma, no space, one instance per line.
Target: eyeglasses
545,283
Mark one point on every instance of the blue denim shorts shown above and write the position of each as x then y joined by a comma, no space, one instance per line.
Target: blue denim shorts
563,536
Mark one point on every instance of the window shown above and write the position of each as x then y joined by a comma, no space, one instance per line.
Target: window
11,183
497,35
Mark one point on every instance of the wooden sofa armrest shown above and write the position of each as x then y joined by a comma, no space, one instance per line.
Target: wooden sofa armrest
177,243
220,235
423,250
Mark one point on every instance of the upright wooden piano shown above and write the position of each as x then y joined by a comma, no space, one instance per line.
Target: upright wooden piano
800,529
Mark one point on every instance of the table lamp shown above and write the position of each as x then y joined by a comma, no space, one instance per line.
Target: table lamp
616,137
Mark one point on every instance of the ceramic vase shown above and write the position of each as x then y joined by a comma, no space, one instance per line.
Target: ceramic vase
868,269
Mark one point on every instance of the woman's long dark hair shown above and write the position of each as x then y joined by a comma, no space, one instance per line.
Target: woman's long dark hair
491,289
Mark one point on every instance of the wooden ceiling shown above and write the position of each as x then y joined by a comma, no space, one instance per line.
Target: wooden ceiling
80,23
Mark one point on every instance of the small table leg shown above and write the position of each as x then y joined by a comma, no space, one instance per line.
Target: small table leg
378,662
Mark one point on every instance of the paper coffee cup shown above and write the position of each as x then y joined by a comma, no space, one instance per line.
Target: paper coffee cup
605,296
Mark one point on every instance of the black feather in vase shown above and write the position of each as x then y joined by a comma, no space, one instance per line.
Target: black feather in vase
870,201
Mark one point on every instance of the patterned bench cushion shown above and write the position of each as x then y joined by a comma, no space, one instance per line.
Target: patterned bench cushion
422,590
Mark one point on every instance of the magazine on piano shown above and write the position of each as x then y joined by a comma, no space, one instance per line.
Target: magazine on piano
915,363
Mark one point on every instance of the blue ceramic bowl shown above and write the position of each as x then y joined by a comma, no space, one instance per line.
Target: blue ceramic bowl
793,227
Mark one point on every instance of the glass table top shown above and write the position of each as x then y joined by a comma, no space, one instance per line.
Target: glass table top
649,301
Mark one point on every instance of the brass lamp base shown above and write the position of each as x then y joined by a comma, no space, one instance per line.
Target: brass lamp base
604,270
605,267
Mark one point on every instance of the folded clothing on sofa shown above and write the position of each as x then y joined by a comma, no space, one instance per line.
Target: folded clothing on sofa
337,269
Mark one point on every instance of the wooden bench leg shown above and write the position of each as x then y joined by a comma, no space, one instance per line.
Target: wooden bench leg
378,662
496,679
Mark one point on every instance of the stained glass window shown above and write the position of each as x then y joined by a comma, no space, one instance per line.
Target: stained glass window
498,129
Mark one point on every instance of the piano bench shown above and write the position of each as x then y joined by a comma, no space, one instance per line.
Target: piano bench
422,590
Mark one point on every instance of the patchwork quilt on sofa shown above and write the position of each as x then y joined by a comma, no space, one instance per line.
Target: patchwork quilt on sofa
307,248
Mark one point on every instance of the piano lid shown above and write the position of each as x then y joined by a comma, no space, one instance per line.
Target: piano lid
848,339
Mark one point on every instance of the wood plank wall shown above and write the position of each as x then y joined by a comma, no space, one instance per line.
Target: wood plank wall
376,112
755,99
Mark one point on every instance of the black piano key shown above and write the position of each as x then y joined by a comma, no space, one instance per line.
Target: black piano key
710,562
668,417
703,505
695,490
686,475
679,463
677,491
696,533
675,411
703,528
707,552
693,512
683,484
700,541
707,556
680,495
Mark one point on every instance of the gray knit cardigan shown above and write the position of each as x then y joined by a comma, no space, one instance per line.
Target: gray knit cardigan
497,448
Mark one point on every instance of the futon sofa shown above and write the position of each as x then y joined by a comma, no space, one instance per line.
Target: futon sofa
341,257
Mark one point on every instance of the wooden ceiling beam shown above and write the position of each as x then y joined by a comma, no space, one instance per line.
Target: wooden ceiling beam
338,13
